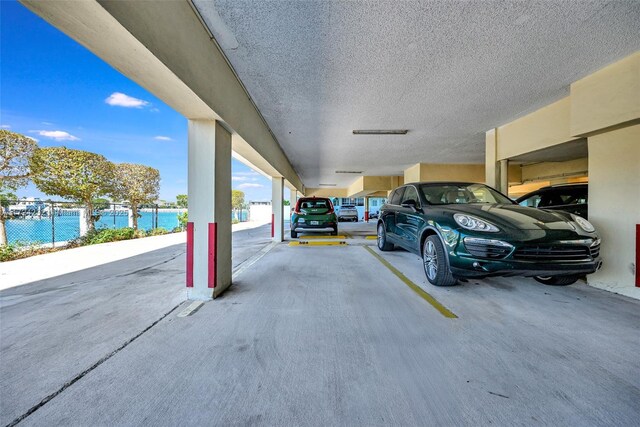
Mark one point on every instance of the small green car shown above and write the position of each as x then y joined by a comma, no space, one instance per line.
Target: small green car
313,213
464,230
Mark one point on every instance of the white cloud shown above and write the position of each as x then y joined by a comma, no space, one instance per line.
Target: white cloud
121,100
162,138
58,135
239,178
251,173
47,123
250,185
6,126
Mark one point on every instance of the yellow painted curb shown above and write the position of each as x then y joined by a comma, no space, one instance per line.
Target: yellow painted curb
417,289
327,243
322,237
371,237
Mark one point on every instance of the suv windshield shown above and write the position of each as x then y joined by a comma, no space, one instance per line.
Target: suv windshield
462,194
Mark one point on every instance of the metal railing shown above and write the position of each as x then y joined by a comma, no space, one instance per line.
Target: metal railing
56,223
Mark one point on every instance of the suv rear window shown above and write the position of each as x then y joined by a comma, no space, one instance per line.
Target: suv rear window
314,203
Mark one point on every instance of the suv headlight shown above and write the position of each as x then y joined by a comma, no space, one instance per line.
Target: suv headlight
583,223
476,224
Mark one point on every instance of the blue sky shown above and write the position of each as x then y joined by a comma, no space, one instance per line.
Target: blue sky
56,91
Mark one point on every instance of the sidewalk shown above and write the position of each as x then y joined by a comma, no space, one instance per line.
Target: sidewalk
40,267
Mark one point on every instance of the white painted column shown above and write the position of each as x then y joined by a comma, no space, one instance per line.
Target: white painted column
293,198
209,209
277,202
504,176
366,209
492,168
130,218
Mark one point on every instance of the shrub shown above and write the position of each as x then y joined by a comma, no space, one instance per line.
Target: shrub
105,235
182,220
234,221
157,231
7,252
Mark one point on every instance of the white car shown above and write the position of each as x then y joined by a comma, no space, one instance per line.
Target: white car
348,213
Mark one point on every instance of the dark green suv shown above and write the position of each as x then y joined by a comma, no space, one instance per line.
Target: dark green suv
471,230
313,213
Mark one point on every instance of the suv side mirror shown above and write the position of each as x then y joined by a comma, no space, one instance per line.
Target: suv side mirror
411,204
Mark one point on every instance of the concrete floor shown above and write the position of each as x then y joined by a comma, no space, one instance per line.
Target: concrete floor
323,335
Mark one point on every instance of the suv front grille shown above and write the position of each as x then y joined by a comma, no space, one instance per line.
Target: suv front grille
553,253
490,249
595,251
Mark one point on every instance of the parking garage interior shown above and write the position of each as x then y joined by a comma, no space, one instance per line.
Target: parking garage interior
515,95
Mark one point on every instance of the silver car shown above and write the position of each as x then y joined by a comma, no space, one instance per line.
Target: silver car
348,213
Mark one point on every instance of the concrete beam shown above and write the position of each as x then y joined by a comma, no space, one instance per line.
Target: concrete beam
546,127
367,185
326,192
445,172
164,47
607,98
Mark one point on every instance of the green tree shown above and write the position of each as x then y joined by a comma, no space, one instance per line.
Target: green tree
181,200
136,184
15,152
237,200
74,174
287,203
101,203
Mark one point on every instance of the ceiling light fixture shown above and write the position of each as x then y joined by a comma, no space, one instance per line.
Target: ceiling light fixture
356,172
380,131
327,185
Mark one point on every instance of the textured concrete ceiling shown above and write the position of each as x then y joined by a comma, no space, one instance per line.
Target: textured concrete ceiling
446,70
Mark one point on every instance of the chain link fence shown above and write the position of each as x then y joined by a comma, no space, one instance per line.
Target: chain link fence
55,223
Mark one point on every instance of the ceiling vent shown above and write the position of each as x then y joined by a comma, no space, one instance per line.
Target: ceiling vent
327,185
354,172
380,131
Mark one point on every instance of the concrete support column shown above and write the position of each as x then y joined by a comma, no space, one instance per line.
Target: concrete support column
209,230
366,209
504,176
614,208
129,218
492,168
277,206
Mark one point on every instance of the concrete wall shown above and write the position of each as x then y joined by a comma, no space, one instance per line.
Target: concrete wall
614,205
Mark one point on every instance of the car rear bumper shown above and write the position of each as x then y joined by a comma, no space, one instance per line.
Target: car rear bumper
308,226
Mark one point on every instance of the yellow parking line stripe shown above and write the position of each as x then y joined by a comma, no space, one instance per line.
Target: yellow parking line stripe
417,289
371,237
327,243
322,237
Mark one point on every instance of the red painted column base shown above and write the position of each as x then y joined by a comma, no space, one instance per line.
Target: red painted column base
212,254
638,255
189,255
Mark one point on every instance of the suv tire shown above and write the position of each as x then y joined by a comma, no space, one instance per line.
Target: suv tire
436,263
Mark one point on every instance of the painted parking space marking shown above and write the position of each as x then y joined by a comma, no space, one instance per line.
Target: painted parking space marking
417,289
372,237
319,243
322,237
